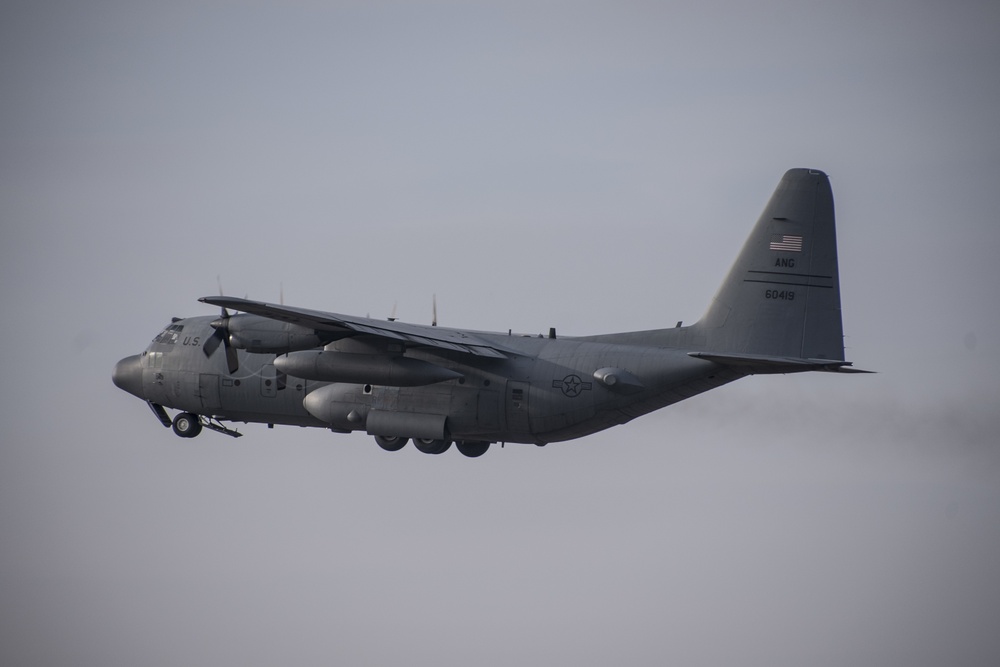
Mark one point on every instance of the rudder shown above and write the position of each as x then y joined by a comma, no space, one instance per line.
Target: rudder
781,297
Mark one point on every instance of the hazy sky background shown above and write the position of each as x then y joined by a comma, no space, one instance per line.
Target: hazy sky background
584,165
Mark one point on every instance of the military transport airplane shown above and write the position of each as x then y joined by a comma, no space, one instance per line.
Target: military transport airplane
777,311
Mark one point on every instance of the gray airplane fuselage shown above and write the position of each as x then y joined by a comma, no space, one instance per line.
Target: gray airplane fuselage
553,389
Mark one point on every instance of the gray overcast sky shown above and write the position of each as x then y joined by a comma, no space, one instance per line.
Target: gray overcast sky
589,166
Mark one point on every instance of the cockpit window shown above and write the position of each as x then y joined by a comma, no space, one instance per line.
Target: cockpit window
169,335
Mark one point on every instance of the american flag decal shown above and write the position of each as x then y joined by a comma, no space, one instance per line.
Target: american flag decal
786,243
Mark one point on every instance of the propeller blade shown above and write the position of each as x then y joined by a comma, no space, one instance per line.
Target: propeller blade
212,344
232,360
225,313
434,311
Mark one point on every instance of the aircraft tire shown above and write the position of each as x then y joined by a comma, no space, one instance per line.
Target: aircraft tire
471,448
187,425
391,443
428,446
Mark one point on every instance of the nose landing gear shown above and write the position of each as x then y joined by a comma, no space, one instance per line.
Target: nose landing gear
187,425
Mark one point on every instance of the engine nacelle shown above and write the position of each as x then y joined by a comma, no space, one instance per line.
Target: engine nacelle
380,369
254,333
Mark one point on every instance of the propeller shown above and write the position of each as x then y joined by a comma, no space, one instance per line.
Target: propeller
221,336
434,310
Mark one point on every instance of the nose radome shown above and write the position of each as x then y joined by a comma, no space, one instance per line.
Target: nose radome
128,375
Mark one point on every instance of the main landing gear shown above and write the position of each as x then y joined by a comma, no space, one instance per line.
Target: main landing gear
430,446
470,448
391,443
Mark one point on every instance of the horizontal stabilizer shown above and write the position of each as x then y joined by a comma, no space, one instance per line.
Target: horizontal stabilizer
761,364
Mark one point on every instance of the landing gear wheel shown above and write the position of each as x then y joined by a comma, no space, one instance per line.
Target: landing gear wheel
391,443
429,446
471,448
187,425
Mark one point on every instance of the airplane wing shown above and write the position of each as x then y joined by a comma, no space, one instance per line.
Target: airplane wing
439,337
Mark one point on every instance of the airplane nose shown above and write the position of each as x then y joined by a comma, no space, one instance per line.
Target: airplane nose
128,375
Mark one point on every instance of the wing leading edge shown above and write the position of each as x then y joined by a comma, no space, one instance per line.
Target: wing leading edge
442,338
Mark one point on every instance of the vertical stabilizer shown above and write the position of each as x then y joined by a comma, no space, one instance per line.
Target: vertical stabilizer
782,295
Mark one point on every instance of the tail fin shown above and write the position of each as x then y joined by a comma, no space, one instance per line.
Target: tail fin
782,295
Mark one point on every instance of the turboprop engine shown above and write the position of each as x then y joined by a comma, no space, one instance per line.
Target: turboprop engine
360,368
267,336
